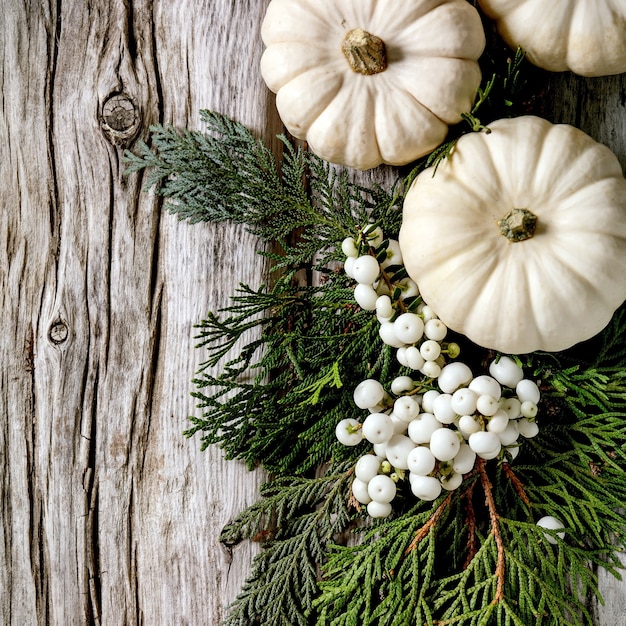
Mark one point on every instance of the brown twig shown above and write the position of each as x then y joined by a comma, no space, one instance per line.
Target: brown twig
472,542
425,529
517,483
494,518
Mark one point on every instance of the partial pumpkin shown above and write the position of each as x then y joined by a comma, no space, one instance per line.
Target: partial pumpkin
366,82
587,37
518,240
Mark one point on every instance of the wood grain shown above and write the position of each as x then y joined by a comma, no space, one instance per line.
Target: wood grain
109,515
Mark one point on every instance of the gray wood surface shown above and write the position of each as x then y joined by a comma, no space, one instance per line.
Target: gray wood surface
109,515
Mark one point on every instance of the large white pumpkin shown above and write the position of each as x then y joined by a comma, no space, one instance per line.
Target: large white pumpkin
372,81
587,37
559,286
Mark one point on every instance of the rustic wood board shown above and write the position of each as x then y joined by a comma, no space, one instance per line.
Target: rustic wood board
109,515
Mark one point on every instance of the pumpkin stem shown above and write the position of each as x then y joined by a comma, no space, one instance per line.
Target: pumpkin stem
518,224
366,53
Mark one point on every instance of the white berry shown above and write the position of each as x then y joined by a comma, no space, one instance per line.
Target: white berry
527,428
451,481
348,432
368,393
486,385
381,488
427,400
430,350
393,254
414,358
435,329
527,390
387,333
464,401
464,460
484,442
373,234
402,384
427,313
348,247
348,266
408,288
444,444
529,409
379,509
442,408
510,434
409,327
551,523
367,467
365,269
426,487
431,369
365,296
384,307
506,371
422,427
378,428
498,422
421,461
453,376
512,406
359,491
406,408
487,405
468,424
397,451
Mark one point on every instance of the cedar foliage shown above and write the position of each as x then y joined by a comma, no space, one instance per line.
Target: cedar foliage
474,556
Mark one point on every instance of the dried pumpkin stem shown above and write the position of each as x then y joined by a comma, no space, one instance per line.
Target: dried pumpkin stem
518,224
366,53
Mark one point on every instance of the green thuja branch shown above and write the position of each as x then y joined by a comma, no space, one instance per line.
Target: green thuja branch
225,173
306,515
311,341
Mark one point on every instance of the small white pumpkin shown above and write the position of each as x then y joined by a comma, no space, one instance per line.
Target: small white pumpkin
587,37
372,81
518,240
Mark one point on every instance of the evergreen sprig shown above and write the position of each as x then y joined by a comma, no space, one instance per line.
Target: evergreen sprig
305,515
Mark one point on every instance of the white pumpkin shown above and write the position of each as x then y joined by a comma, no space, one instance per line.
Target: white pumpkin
372,81
523,291
587,37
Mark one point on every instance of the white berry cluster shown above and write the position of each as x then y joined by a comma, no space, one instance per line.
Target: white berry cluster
429,433
383,286
435,437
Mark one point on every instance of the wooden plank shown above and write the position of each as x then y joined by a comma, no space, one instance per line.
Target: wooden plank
109,515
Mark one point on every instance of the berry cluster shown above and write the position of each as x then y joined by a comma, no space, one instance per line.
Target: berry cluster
429,431
406,322
433,437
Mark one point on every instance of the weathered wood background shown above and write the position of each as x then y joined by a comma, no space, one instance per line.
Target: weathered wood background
109,516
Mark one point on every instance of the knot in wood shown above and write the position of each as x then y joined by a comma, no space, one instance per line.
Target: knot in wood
58,332
120,118
119,113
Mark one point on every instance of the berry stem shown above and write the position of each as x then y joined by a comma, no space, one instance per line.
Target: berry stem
494,518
